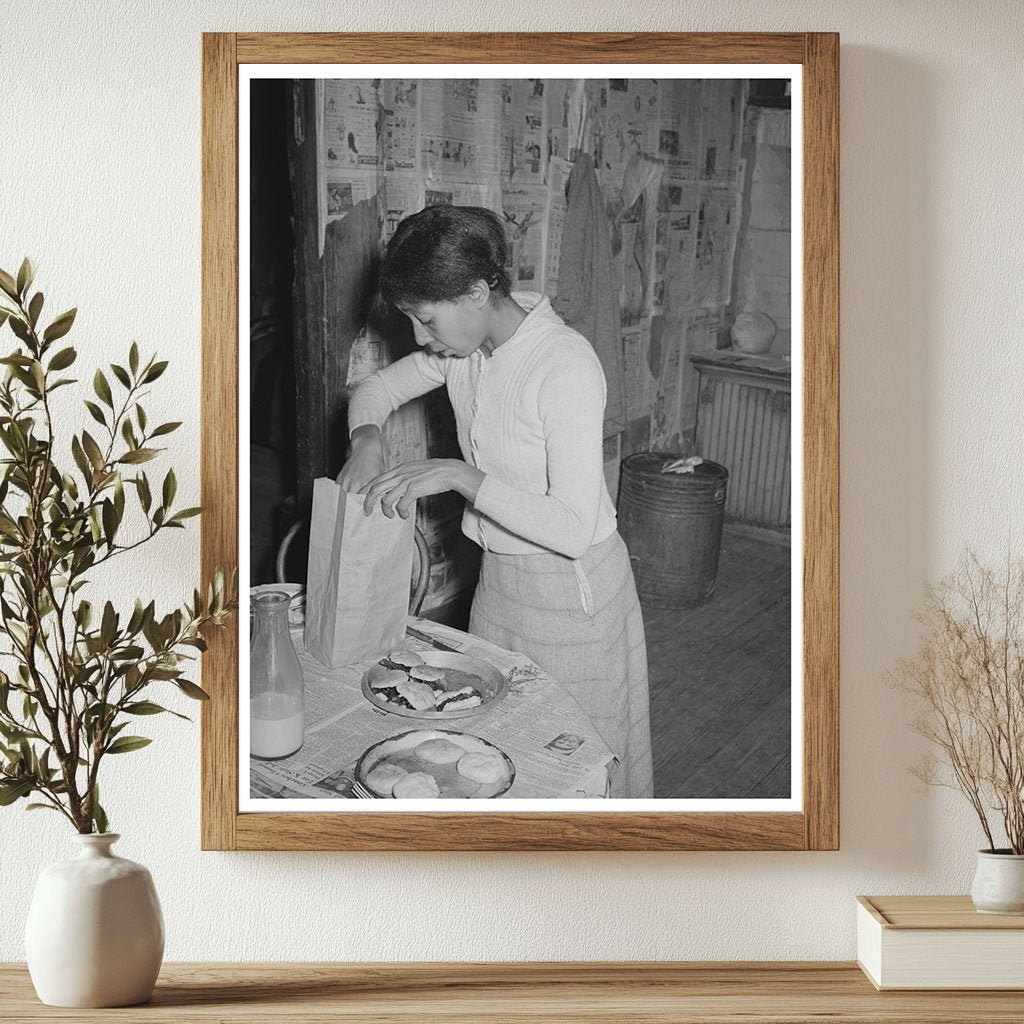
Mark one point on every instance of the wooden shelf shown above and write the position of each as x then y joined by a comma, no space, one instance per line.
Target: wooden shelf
477,993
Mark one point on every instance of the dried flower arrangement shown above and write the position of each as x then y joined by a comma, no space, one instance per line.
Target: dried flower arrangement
967,681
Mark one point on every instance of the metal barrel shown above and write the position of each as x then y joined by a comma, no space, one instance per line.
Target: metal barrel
672,526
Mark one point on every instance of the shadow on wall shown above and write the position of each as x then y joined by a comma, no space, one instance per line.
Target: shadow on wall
888,274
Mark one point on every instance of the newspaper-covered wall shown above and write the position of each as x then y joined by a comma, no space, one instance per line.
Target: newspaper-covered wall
668,155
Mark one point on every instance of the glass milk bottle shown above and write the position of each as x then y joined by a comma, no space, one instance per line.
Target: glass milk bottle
275,686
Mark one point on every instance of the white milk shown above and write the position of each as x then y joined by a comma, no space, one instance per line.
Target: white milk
275,724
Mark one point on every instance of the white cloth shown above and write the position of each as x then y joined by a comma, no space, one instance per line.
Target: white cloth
530,418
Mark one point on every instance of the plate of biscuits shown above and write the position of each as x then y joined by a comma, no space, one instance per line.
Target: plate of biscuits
435,764
433,684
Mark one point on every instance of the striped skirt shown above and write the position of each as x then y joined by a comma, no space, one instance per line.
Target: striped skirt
580,621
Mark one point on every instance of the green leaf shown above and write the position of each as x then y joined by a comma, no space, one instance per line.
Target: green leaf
41,807
133,358
34,308
92,449
20,328
14,790
83,613
96,412
170,488
80,459
185,513
109,521
135,622
154,372
125,744
8,284
140,415
121,374
165,428
143,707
145,497
108,627
128,433
63,359
191,690
99,816
132,653
102,388
139,455
60,326
26,274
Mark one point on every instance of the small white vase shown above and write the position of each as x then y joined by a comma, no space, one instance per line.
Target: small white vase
95,933
999,883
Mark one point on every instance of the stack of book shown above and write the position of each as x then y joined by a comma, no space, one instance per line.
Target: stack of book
938,942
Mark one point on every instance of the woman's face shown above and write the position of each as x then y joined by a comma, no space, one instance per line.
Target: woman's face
449,328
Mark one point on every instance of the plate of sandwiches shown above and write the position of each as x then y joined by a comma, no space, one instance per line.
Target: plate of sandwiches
435,764
433,684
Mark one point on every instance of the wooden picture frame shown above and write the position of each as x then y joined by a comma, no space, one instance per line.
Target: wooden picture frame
816,826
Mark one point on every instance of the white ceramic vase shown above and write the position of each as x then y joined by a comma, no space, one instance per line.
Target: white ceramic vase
95,933
999,883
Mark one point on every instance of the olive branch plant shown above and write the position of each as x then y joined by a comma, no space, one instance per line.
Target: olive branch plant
966,680
80,674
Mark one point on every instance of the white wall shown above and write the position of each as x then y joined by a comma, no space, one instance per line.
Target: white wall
100,183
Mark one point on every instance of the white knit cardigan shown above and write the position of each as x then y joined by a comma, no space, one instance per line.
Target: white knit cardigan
529,417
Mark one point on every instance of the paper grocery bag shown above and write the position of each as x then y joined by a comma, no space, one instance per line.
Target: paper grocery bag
357,587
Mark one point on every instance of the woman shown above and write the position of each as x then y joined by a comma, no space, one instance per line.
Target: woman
528,394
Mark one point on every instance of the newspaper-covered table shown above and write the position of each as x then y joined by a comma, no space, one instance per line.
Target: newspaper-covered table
555,749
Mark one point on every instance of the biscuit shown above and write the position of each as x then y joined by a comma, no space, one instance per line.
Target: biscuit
404,657
426,673
440,751
416,785
458,701
419,695
384,776
482,767
392,677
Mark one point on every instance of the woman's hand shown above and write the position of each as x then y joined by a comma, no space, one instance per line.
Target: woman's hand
398,489
366,461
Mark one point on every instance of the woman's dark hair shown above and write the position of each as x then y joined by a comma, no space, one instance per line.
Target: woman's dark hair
437,254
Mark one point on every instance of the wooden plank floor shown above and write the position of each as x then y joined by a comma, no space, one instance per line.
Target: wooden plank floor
720,685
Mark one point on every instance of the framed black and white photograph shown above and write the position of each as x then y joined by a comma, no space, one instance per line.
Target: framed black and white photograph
535,441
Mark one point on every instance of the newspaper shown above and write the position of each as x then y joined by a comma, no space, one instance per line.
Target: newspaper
524,146
403,195
679,127
717,225
558,98
447,192
557,200
460,128
682,244
640,382
666,429
352,123
399,97
555,749
721,131
524,209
